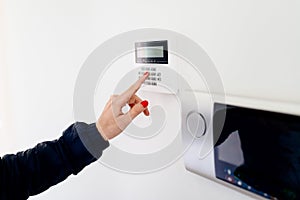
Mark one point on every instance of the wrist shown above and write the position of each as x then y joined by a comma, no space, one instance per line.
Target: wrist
101,131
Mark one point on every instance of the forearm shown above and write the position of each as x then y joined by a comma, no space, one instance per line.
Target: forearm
35,170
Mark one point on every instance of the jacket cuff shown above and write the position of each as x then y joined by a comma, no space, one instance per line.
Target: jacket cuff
91,138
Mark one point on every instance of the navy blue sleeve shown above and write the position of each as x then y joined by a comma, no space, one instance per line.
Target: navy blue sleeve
33,171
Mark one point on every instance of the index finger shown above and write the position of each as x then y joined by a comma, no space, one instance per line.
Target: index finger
125,96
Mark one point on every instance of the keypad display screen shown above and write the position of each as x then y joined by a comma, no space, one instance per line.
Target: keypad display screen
150,52
258,151
154,52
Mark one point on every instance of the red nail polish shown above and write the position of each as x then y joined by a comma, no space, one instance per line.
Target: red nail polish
146,73
144,103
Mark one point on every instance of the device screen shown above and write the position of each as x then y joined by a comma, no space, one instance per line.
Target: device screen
154,52
258,151
150,52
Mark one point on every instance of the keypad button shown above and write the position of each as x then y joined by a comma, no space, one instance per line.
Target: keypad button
153,77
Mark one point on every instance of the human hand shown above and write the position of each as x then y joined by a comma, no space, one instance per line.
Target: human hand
113,121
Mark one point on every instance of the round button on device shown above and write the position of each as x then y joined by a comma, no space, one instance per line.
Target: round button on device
196,124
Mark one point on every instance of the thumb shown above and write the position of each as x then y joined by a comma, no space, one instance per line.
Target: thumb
138,108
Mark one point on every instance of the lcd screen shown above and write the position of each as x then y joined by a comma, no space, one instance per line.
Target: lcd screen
258,151
150,52
154,52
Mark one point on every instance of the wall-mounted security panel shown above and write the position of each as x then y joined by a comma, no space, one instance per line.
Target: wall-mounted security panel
153,57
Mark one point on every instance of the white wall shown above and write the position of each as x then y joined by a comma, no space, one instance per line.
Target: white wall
253,43
5,105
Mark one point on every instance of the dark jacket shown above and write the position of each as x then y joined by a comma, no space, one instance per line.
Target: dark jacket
35,170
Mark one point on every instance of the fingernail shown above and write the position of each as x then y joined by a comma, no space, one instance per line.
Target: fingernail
131,104
146,73
144,103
